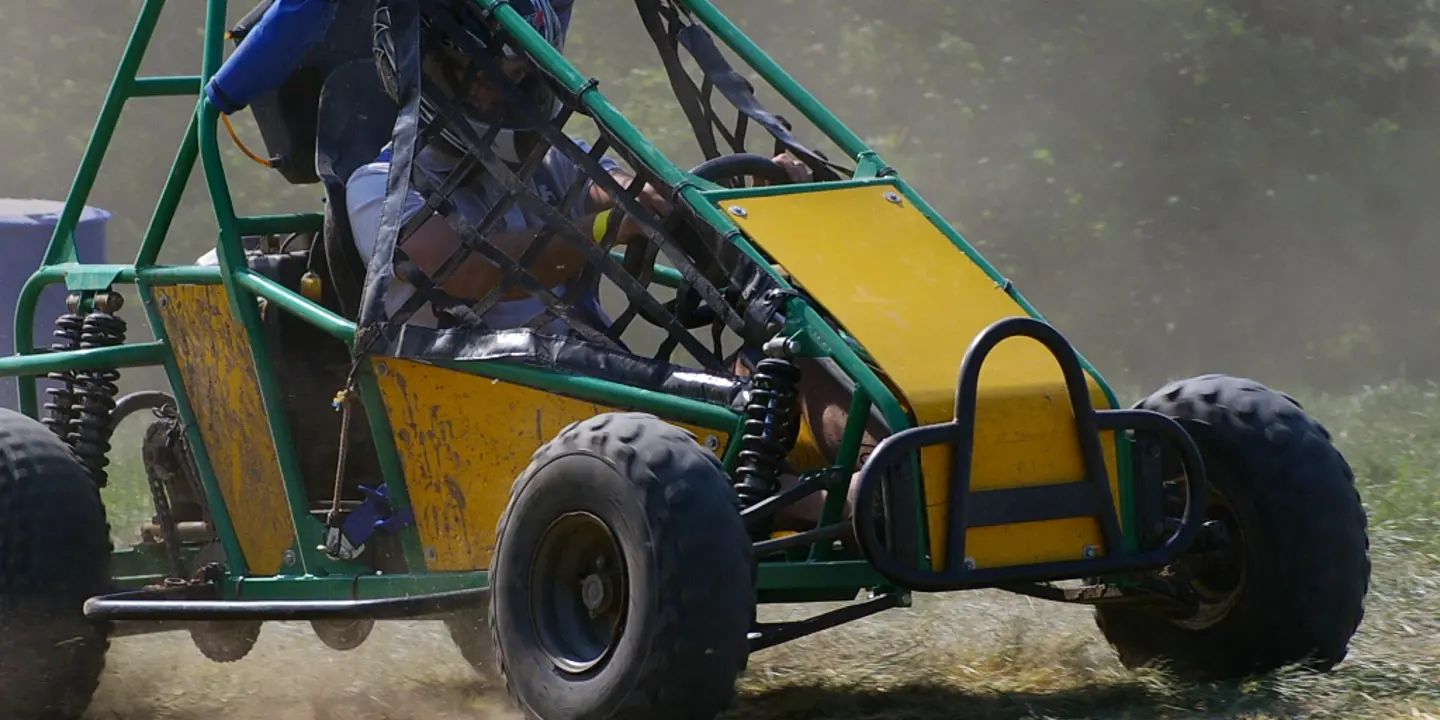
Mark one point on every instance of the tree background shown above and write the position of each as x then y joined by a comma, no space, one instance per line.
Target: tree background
1181,186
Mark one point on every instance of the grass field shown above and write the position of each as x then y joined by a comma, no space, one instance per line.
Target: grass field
967,655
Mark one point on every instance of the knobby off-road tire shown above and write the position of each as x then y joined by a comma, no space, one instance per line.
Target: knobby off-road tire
470,631
686,591
1303,543
54,555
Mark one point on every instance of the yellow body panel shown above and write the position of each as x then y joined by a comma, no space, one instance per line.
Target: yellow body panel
807,456
463,440
915,301
213,354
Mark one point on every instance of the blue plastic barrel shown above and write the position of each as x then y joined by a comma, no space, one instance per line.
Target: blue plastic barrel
25,230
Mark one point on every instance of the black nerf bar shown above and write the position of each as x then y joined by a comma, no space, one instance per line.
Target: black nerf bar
145,606
1091,496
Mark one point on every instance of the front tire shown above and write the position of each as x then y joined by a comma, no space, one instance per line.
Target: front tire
54,555
1288,586
623,583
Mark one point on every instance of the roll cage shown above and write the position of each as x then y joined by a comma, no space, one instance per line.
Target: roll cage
329,118
718,283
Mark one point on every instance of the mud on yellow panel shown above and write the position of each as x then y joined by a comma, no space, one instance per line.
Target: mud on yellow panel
463,440
213,354
915,301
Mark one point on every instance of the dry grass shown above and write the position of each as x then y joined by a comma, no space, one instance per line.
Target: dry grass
967,655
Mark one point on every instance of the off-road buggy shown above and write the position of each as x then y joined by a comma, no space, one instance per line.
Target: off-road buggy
593,519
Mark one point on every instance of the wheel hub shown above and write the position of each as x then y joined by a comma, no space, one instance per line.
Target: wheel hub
596,592
578,584
1214,571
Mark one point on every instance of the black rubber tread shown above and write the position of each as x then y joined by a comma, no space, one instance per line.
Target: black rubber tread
343,636
470,631
1306,543
226,641
54,555
703,576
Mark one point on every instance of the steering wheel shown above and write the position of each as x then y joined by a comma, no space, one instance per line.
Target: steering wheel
741,165
640,256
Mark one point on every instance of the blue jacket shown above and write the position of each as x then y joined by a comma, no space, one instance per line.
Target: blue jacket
270,52
274,46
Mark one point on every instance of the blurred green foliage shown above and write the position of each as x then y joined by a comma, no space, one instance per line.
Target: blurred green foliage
1180,185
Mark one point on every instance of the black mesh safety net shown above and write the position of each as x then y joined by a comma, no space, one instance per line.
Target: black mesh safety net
726,304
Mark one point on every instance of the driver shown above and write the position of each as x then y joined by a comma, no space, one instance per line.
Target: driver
464,84
453,74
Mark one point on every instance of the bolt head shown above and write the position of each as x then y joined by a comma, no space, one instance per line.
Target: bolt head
109,302
1091,552
738,211
894,198
592,592
289,558
969,563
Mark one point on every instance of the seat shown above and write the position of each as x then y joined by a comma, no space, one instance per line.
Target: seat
287,116
356,118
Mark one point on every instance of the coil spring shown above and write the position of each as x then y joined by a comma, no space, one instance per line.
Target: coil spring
60,411
95,392
772,424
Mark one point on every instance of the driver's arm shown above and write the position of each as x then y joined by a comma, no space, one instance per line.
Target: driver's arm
430,245
600,199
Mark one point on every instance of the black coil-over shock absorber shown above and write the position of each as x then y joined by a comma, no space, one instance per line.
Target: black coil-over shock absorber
60,411
95,390
772,424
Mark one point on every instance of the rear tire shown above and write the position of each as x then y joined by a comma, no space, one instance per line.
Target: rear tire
54,555
623,582
470,631
1291,590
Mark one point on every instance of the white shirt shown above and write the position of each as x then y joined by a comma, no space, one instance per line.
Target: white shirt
365,200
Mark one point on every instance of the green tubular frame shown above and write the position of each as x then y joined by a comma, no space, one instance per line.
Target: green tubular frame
200,145
313,575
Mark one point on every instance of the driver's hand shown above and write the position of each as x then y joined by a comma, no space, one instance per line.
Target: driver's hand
655,201
798,171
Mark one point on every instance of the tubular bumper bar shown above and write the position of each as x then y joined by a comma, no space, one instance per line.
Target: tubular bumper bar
1090,497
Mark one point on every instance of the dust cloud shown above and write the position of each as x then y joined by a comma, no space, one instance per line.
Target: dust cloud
406,671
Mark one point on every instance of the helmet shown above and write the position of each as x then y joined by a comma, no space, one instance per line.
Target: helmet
453,56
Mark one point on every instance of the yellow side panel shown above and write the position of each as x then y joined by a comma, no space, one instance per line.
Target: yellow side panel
915,301
807,455
213,353
463,440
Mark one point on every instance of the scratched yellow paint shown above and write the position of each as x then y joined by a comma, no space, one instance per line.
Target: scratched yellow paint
462,441
915,302
213,354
